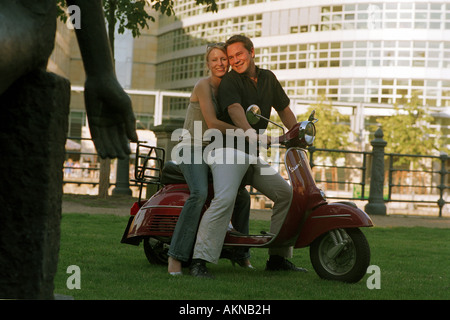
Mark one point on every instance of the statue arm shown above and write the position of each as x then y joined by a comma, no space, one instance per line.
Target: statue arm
110,115
93,39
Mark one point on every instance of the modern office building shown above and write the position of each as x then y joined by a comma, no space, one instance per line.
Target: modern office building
364,56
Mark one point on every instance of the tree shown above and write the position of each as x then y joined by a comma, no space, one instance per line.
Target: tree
132,15
332,129
129,15
408,130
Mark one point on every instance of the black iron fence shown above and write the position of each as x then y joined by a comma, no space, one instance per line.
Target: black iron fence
353,170
429,180
376,177
82,164
82,167
424,187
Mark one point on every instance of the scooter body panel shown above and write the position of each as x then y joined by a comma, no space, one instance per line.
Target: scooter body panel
159,215
306,195
331,216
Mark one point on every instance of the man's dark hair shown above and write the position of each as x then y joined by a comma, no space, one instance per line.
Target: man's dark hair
248,44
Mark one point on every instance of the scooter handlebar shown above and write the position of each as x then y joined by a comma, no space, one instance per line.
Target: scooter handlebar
301,135
290,135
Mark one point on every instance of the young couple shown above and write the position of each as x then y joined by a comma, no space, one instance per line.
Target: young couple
220,101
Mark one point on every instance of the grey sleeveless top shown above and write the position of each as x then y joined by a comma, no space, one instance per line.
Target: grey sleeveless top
194,117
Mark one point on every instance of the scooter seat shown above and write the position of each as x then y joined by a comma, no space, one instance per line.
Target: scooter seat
171,174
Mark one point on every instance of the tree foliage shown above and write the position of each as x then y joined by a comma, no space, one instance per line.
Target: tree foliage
408,130
332,128
129,15
132,15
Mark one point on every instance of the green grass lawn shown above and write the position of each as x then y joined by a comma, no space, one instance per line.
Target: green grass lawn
413,263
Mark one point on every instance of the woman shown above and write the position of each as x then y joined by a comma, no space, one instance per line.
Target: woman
202,109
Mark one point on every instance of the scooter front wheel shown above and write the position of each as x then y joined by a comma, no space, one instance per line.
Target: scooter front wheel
341,254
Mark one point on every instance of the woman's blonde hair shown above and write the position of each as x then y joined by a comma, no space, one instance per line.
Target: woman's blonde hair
211,46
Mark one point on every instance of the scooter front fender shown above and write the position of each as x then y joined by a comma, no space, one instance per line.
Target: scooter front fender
331,216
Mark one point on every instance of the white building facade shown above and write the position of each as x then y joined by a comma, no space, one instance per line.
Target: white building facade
364,56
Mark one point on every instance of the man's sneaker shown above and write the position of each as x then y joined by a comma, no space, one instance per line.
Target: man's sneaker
199,270
282,264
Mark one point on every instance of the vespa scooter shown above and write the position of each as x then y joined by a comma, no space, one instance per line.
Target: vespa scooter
338,248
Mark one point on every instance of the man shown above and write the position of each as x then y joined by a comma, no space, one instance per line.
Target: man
245,85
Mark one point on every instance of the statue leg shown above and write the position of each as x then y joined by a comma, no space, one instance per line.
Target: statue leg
33,128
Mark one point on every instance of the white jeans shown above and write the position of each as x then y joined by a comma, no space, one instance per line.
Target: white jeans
227,177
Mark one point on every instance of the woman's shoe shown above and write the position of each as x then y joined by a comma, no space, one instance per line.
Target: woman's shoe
230,255
243,263
174,267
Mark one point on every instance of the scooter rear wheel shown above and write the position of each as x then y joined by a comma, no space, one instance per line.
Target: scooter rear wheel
156,251
349,264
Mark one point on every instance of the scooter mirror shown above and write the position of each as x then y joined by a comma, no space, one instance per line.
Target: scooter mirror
311,116
253,114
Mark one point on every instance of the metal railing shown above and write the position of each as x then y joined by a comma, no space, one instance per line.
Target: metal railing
426,186
433,177
81,172
361,168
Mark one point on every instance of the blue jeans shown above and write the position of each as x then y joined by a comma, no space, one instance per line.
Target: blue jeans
227,178
184,235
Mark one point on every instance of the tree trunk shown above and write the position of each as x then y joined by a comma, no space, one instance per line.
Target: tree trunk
105,170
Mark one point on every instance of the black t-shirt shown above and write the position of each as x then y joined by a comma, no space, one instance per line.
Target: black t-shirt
266,93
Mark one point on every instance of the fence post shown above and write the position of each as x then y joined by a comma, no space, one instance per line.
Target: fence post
123,177
376,203
441,202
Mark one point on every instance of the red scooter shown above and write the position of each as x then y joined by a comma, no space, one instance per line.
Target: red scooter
338,248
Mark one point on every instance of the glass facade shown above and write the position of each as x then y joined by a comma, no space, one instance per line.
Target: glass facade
365,35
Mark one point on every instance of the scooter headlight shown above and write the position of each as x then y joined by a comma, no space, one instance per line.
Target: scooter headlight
310,133
307,132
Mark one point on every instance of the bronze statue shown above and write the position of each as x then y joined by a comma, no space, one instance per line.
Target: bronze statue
34,108
27,33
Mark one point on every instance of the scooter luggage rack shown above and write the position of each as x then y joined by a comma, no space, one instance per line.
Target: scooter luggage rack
149,163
